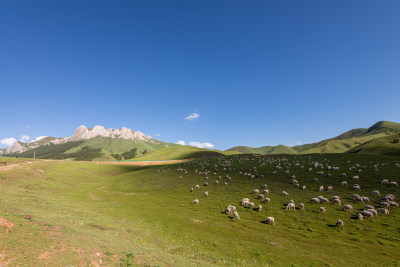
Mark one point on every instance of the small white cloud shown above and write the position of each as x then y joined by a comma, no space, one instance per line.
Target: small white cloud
192,117
297,143
39,138
157,135
181,142
24,138
28,126
201,145
8,141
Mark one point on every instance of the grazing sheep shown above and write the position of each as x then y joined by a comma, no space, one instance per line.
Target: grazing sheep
336,200
367,213
304,187
196,201
340,223
315,200
266,200
286,194
376,193
196,186
250,205
384,211
356,187
270,220
266,191
329,188
191,189
347,207
206,183
356,177
385,204
358,199
394,204
259,208
236,215
394,184
291,201
369,207
343,183
324,200
265,186
260,196
301,206
230,209
321,188
256,191
389,197
205,194
365,199
315,179
291,206
245,201
385,181
360,217
322,209
343,174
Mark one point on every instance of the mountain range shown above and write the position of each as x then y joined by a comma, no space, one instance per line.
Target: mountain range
116,144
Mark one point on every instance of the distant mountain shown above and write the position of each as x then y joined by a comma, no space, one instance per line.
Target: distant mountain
88,143
346,142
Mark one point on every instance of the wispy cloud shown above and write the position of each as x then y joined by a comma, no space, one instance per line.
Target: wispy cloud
8,141
181,142
28,126
192,117
201,145
25,138
158,135
297,143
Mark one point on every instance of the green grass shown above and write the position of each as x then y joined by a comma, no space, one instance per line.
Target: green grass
183,152
385,145
83,213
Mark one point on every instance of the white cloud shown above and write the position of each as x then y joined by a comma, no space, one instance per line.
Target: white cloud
39,138
201,145
24,138
192,117
8,141
181,142
297,143
28,126
157,135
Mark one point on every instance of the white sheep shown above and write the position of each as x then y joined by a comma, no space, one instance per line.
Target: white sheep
340,223
196,201
322,209
343,183
245,201
347,207
394,184
266,191
205,194
304,187
321,188
256,191
266,200
384,211
385,181
236,215
196,186
259,208
301,206
270,220
360,216
376,193
291,206
329,188
286,194
336,200
315,200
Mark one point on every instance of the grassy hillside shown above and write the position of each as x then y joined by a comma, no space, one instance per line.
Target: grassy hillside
385,145
265,150
339,144
81,214
182,152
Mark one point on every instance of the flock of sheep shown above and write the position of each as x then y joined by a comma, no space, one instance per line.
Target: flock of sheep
208,168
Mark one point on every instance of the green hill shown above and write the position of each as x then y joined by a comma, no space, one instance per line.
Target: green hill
339,144
183,152
385,145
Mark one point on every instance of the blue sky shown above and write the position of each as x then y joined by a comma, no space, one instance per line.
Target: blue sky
256,72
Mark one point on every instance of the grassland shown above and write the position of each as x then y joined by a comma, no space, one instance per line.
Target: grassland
87,214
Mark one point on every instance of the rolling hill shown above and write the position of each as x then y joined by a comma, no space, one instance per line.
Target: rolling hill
346,142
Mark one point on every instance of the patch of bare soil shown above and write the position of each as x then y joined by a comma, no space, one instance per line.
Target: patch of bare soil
6,223
94,197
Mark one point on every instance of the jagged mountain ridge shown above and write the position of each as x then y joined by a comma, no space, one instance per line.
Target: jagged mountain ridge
110,141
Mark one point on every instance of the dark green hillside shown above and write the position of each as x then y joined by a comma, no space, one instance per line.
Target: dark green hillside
386,145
